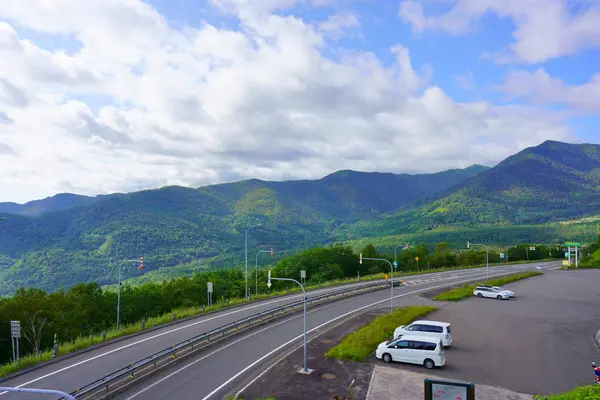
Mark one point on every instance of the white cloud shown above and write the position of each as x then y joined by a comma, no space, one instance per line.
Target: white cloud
541,88
341,24
466,81
206,105
544,29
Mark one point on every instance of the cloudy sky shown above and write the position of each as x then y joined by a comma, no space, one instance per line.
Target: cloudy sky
100,96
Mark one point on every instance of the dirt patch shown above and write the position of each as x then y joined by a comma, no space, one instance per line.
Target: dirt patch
328,378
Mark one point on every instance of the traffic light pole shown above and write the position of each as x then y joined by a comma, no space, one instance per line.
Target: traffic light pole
391,275
119,289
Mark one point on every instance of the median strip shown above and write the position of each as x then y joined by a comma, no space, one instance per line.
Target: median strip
467,290
359,345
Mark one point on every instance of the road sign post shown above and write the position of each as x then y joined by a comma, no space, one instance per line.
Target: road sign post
15,335
417,260
209,292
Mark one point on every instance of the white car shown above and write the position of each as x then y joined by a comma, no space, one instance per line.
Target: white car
487,291
425,351
510,292
436,329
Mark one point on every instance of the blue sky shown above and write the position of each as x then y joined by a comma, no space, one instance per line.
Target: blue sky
284,89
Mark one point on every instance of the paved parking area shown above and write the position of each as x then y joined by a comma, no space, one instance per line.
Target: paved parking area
540,342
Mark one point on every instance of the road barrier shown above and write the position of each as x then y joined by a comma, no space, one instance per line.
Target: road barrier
117,380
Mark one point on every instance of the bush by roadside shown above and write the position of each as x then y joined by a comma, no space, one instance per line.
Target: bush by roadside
360,344
467,290
580,393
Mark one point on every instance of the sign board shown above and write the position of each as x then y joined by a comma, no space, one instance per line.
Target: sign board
15,329
572,244
395,263
417,258
449,390
532,248
566,254
501,255
360,258
209,286
269,280
303,274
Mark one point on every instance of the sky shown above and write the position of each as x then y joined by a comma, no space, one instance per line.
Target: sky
104,96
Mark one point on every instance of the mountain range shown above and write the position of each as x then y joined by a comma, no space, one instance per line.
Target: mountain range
67,239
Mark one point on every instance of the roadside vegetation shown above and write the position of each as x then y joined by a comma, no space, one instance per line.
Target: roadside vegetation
359,345
467,290
591,392
85,315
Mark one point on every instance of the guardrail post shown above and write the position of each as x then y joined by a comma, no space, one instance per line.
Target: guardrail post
174,316
104,336
203,307
55,350
143,323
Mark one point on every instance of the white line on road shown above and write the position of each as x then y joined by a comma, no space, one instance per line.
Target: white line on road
479,271
324,324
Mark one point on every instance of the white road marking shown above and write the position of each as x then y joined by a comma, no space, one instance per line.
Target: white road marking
187,326
322,325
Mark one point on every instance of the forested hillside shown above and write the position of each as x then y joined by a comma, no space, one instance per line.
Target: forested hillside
82,241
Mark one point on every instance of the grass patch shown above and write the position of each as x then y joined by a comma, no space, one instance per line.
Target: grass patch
360,344
581,393
467,290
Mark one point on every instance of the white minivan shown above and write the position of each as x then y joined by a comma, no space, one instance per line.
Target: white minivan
413,349
436,329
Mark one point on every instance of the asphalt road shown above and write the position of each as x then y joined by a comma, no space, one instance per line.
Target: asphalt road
540,342
211,374
69,374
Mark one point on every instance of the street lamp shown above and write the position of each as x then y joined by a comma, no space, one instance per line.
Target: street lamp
391,280
250,227
304,296
119,289
260,251
405,246
487,257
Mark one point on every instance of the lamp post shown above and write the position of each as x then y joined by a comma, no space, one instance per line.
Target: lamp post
260,251
119,290
304,296
487,257
404,246
250,227
391,274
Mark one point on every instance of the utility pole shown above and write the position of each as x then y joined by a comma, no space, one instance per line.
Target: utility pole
391,277
246,246
487,257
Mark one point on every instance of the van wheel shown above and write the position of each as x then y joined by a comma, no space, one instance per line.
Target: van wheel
499,297
386,358
479,295
429,364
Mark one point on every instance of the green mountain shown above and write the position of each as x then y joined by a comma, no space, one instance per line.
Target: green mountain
53,243
550,182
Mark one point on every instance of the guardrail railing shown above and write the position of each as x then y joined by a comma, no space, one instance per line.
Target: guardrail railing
147,365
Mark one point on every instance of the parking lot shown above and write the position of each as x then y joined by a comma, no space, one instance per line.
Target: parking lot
540,342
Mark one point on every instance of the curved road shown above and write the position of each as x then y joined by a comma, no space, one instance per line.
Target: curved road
212,374
69,374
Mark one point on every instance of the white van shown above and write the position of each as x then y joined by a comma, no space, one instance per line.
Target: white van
413,349
436,329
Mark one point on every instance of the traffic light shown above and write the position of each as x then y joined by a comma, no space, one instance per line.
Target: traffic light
141,263
272,252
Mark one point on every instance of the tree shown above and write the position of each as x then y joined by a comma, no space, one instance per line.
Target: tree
34,330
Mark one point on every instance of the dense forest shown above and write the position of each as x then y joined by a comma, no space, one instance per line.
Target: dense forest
86,309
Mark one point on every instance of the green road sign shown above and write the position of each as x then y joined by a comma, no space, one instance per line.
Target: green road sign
572,244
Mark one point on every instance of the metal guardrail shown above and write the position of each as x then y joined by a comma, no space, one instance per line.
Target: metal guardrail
119,378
